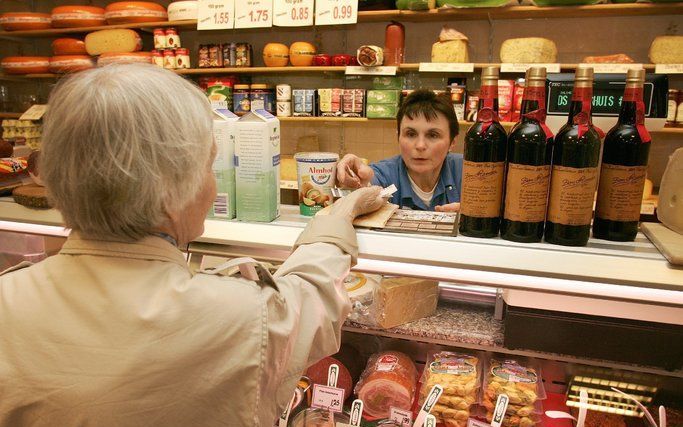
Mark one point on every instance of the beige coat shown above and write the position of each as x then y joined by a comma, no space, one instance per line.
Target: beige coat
121,334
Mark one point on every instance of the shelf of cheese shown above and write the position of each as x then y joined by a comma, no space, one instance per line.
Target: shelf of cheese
462,14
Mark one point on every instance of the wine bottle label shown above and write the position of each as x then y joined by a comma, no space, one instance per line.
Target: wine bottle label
526,192
620,192
572,191
482,189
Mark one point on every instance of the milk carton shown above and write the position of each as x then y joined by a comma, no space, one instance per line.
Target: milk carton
224,165
257,164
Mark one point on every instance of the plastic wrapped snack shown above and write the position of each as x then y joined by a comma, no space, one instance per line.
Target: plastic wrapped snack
459,375
522,385
389,380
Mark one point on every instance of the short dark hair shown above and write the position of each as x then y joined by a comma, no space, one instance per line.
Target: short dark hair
425,103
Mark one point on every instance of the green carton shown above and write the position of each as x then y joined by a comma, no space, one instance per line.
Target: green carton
383,96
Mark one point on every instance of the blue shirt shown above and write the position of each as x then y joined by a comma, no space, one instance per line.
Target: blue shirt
393,171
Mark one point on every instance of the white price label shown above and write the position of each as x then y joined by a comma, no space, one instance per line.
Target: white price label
446,67
292,13
507,67
401,416
331,398
336,12
669,68
611,68
356,414
358,70
36,112
253,13
215,14
499,410
431,399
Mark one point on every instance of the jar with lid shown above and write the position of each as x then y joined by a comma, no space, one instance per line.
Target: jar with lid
262,97
172,38
672,107
159,38
679,109
157,58
169,59
182,56
240,99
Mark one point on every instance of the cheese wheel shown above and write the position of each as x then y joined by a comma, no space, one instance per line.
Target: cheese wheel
112,41
275,55
120,58
70,63
25,64
301,54
126,12
68,46
528,50
77,16
182,10
19,21
667,50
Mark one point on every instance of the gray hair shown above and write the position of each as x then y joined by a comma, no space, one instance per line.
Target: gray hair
122,146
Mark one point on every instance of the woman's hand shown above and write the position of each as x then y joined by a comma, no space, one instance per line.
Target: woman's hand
359,202
450,207
353,173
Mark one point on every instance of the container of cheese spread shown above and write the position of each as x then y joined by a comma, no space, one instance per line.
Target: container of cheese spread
316,175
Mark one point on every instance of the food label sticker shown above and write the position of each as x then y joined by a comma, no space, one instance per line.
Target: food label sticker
432,397
669,68
253,13
336,12
508,67
611,68
446,67
430,421
332,375
476,423
292,13
400,416
326,397
499,410
36,112
358,70
356,415
215,14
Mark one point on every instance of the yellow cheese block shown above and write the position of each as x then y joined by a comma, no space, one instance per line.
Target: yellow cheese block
400,300
528,50
112,41
450,51
667,50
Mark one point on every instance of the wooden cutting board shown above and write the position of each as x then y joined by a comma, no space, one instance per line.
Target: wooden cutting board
669,243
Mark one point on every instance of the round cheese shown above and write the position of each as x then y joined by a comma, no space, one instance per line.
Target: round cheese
301,54
126,12
68,46
77,16
25,64
121,58
70,63
182,10
112,41
19,21
275,55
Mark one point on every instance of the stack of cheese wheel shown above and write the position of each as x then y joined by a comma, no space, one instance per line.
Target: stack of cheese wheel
68,46
77,16
69,56
119,58
25,64
112,41
24,21
182,10
130,12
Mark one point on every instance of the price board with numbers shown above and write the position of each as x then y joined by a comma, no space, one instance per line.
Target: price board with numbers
215,14
292,13
253,13
336,12
331,398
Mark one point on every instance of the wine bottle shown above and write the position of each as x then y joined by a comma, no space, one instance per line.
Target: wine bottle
624,165
574,175
483,164
529,151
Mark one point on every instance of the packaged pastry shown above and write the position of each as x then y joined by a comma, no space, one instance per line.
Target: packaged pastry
370,56
459,375
522,384
389,380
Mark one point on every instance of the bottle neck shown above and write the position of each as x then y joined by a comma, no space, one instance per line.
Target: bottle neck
488,97
582,97
533,99
629,105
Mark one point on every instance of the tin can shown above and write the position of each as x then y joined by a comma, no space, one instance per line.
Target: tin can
182,56
240,100
316,175
170,59
243,55
172,38
283,92
284,108
262,97
159,38
157,58
219,90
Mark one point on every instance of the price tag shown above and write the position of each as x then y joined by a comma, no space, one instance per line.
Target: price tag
648,207
253,13
336,12
446,67
400,416
292,13
669,68
611,68
36,112
325,397
476,423
428,405
507,67
430,421
215,14
358,70
356,415
499,410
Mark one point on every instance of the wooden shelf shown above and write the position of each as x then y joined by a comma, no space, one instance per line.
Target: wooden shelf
459,14
259,70
10,115
331,119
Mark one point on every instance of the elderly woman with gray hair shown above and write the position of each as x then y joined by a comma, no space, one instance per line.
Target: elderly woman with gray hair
115,330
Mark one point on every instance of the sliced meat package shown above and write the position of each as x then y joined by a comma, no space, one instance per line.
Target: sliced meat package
389,380
522,384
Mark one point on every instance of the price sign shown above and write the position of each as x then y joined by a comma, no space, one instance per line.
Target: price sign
357,70
215,14
446,67
36,112
499,410
253,13
336,12
521,68
611,68
401,416
669,68
292,13
331,398
431,399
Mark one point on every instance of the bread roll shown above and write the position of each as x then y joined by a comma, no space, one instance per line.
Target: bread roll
528,50
667,50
